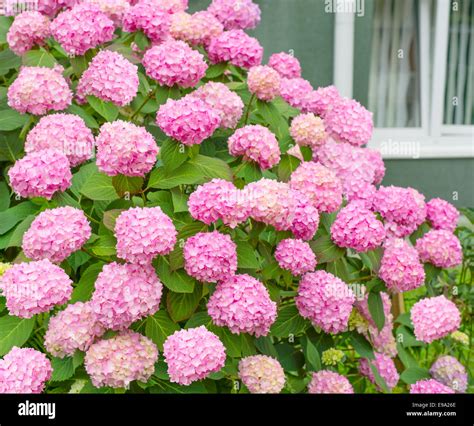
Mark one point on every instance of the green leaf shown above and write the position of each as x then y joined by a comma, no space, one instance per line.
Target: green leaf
265,345
14,331
198,319
89,119
287,166
16,237
372,258
231,341
212,167
180,200
325,250
8,61
108,110
362,346
313,360
10,146
158,327
5,23
127,185
405,357
163,93
105,246
141,40
246,256
413,374
4,198
289,322
110,216
11,120
173,154
272,118
379,380
182,305
214,71
406,337
168,387
63,369
79,64
375,304
339,268
38,58
99,186
248,171
9,218
84,288
177,281
404,319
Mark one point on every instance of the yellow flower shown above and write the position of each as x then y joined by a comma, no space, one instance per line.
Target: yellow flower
460,337
332,356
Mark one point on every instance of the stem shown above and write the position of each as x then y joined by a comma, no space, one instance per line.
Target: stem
247,112
145,101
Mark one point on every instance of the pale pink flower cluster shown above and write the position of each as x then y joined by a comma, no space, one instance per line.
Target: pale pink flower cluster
40,174
295,256
255,143
170,6
51,7
400,267
242,304
434,318
56,233
74,328
348,121
124,148
34,287
38,90
224,101
264,82
189,120
261,374
320,184
24,370
321,101
219,199
430,386
385,367
305,219
67,133
242,14
114,9
326,381
155,23
357,228
109,77
403,209
174,62
450,372
285,64
210,256
308,130
197,29
193,354
326,300
143,233
28,29
294,90
83,27
118,361
125,293
236,47
441,248
441,214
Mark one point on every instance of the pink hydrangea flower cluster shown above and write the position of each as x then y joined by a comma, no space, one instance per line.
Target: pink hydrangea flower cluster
441,248
118,361
155,23
28,29
236,47
403,208
143,233
400,267
193,354
255,143
197,29
321,101
40,174
264,82
124,148
242,304
125,293
34,287
285,64
450,372
308,130
109,77
326,381
441,214
348,121
326,300
385,367
261,374
55,234
357,228
210,256
38,90
305,219
434,318
67,133
320,184
429,386
218,199
294,90
83,27
241,15
24,370
189,120
74,328
169,6
295,256
224,101
174,62
51,7
114,9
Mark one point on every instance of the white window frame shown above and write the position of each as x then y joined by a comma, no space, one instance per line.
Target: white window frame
433,138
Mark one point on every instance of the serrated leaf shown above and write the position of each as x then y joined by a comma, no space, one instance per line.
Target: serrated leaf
158,327
105,246
81,112
375,305
182,305
63,369
11,120
84,288
246,256
110,216
413,374
289,322
9,218
177,281
129,185
98,186
313,360
10,146
108,110
325,250
362,346
38,58
214,71
14,331
173,154
8,61
287,166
